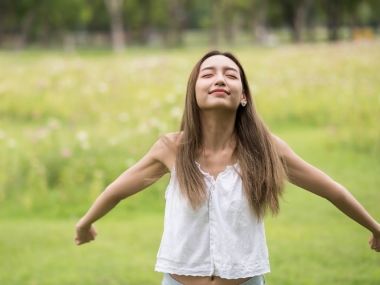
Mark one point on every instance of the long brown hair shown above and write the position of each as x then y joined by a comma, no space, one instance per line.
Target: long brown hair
261,169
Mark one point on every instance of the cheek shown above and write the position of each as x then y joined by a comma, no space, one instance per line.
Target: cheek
199,90
200,86
236,86
199,99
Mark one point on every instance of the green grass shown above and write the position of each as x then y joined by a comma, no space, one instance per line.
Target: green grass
43,252
71,123
310,242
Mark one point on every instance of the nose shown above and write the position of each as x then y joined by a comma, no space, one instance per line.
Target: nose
219,80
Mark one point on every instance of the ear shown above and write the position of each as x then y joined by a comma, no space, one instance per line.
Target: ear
243,96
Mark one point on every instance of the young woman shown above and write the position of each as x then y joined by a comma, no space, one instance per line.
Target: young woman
227,170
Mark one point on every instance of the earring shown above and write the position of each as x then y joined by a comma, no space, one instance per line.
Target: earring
243,103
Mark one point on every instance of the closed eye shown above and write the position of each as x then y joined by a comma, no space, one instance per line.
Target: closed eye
231,76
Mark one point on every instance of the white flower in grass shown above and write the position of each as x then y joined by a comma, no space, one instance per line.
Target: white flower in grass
157,124
12,143
123,117
103,87
3,135
82,136
113,141
57,66
156,105
253,89
170,99
179,89
41,133
176,112
143,128
54,123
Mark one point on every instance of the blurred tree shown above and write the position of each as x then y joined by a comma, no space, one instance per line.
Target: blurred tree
258,13
115,8
232,14
43,21
215,22
25,22
176,19
16,18
313,15
151,18
295,13
137,19
374,19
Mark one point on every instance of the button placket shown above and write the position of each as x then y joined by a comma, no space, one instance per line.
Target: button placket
211,223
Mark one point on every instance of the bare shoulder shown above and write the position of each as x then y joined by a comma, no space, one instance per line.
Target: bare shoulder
281,146
165,148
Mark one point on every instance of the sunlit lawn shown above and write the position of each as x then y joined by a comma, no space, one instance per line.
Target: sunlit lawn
71,123
310,242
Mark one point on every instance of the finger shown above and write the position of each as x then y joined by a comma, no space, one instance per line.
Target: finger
377,245
79,241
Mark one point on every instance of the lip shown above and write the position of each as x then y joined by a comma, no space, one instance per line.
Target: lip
219,90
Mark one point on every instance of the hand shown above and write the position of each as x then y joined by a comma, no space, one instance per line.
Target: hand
374,242
84,234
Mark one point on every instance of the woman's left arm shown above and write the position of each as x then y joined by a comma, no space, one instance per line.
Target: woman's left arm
308,177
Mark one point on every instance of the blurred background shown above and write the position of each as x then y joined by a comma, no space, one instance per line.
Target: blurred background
119,24
87,87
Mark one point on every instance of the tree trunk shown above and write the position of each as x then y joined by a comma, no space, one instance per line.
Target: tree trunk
230,26
289,15
310,23
259,21
176,21
215,25
117,30
333,11
295,15
144,30
26,24
299,20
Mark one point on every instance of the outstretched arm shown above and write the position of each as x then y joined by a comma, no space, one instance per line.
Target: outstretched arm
144,173
308,177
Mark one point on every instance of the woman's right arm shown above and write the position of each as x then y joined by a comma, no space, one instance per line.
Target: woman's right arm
144,173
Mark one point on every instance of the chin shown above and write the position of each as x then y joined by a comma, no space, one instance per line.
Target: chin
218,106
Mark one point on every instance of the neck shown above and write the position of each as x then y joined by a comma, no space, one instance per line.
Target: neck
217,130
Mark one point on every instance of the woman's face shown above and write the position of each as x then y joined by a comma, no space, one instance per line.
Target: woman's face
219,85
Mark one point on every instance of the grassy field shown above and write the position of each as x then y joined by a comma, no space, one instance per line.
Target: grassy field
71,123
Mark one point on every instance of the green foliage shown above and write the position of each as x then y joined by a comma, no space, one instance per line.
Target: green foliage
71,123
28,22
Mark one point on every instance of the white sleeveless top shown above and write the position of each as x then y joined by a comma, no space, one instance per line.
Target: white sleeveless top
222,238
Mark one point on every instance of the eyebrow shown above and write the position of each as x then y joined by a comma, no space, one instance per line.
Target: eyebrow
225,68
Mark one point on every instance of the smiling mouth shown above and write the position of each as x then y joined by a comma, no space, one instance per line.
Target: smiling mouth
219,91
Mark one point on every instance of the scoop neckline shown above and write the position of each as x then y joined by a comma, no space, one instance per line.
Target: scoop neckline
221,173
